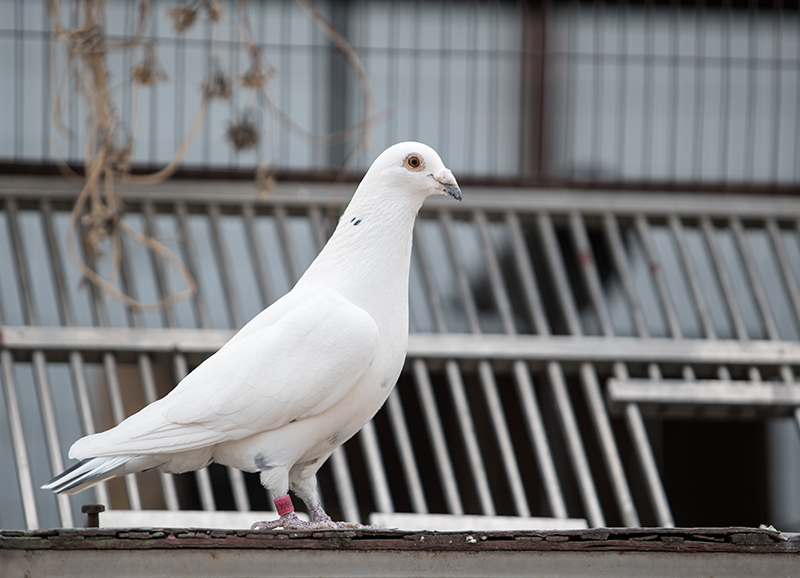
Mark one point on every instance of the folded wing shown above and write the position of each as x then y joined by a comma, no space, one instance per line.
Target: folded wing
298,366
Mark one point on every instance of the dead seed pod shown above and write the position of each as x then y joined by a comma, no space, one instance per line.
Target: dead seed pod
217,83
183,17
119,158
255,77
86,42
243,133
99,224
149,71
214,10
265,181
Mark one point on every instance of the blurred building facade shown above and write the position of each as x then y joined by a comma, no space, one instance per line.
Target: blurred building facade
607,328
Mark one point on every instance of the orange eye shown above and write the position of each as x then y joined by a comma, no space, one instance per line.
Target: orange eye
414,162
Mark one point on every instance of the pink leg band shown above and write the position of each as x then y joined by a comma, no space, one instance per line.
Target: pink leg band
284,505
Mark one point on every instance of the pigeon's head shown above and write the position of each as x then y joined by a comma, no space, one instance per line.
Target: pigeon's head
414,167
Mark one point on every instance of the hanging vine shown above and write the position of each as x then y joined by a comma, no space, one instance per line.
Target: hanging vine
109,144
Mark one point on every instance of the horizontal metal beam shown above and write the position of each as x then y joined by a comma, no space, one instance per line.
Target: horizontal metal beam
427,345
300,194
704,392
97,339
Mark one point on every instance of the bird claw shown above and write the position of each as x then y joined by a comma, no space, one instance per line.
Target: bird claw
290,521
354,526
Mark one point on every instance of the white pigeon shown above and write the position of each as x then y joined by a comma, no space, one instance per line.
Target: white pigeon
305,374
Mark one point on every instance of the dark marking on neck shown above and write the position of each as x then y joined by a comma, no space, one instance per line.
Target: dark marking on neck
356,221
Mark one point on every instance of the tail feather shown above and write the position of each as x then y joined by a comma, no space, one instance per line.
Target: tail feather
91,471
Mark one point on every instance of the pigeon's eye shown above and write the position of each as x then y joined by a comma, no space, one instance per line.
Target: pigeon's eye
414,162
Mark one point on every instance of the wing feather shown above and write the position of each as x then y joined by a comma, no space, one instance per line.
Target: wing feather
298,366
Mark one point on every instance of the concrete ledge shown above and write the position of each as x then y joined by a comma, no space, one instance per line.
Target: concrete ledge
206,552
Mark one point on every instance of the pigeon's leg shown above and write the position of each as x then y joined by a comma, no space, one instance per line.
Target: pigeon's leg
288,520
306,490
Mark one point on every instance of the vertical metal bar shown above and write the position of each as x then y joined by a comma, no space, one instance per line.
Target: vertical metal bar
569,98
590,382
612,234
406,452
495,105
46,88
145,366
56,266
553,254
442,460
78,370
632,414
751,93
199,302
118,412
487,375
527,275
588,268
648,118
490,393
222,260
577,455
538,437
19,75
605,435
754,278
255,252
25,291
555,373
641,442
724,110
445,25
622,110
40,373
321,232
51,431
179,361
344,484
694,285
430,291
698,116
658,276
375,468
674,83
495,275
463,282
75,358
288,248
159,270
24,475
758,291
150,395
468,435
786,268
723,278
598,26
495,408
181,369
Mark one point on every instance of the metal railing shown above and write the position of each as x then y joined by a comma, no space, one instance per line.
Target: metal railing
523,305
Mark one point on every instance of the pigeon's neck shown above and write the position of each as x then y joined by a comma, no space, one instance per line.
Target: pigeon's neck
368,256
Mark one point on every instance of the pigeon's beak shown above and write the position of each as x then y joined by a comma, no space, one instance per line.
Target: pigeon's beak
448,182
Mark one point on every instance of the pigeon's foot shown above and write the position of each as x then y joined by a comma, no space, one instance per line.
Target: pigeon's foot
353,526
290,521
